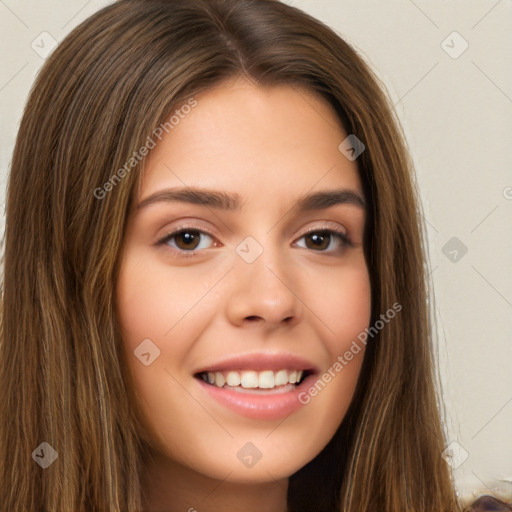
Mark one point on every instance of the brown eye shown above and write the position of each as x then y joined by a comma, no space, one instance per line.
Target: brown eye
186,241
319,240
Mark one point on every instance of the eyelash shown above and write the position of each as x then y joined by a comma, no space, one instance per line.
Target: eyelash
342,238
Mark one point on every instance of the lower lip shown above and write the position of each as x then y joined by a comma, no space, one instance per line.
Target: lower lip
259,406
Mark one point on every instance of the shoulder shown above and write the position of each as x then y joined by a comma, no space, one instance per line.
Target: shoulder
488,503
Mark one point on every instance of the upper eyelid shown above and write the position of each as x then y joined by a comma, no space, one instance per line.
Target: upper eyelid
329,227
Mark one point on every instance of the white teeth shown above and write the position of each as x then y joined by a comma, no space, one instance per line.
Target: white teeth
251,379
266,379
233,379
281,378
219,379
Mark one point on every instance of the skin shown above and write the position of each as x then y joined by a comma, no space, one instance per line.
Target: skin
270,146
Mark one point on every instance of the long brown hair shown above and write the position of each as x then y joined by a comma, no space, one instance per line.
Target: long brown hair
97,99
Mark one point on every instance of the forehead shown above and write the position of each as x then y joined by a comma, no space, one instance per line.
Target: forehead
253,139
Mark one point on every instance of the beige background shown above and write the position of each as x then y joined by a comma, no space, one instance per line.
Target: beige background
456,107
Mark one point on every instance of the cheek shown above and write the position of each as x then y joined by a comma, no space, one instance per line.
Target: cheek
160,317
341,301
159,323
340,306
351,308
155,303
350,313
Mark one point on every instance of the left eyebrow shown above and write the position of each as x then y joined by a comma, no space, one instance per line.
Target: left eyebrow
228,201
328,198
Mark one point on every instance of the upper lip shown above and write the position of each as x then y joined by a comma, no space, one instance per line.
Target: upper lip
260,362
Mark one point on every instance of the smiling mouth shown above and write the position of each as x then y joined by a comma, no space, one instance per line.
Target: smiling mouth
266,380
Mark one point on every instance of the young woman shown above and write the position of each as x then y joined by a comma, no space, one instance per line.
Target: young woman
215,295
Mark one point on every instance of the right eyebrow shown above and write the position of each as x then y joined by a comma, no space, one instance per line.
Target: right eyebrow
205,197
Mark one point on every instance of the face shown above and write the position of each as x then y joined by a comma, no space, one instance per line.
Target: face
226,294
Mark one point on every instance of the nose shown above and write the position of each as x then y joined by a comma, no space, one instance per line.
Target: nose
264,292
